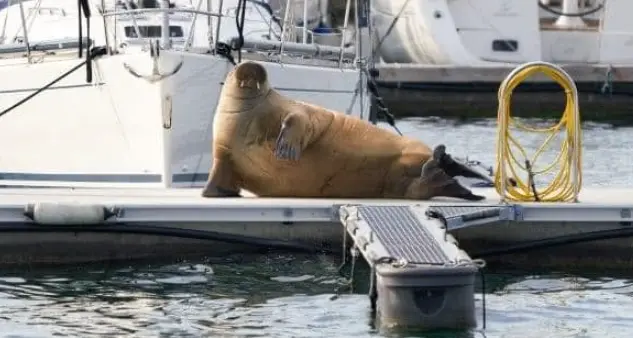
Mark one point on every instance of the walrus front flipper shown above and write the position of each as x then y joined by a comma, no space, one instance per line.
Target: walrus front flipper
221,181
291,139
212,190
435,182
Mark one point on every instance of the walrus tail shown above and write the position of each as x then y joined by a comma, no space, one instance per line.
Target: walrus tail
436,182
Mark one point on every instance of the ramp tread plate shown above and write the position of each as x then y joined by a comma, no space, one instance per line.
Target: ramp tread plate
403,235
452,211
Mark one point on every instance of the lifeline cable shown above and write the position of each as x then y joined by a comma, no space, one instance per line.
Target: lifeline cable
95,52
566,184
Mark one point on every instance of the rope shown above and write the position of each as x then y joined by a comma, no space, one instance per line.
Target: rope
567,182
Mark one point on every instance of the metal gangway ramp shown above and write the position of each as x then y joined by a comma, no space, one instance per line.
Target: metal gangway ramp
422,278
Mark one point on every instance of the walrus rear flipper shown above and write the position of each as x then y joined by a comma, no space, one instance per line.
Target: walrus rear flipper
455,168
435,182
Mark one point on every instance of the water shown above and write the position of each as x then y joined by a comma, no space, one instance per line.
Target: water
603,146
290,296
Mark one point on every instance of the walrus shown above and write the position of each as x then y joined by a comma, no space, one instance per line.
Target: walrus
273,146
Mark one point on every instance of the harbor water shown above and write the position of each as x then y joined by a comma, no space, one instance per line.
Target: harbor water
284,295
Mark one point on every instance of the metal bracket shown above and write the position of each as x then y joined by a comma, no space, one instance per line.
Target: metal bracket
155,76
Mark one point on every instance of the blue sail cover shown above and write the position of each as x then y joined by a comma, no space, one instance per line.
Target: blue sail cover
4,4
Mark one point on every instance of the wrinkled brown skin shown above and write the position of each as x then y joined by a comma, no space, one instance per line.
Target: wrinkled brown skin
320,153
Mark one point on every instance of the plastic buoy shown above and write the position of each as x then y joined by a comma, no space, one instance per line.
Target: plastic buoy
50,213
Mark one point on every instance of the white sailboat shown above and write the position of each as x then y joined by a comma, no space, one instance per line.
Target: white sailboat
101,93
487,32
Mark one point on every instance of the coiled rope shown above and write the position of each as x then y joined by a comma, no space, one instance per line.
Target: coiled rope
566,184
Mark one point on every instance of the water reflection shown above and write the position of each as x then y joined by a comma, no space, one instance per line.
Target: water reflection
282,296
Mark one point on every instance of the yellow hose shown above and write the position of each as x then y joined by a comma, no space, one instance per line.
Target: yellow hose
567,182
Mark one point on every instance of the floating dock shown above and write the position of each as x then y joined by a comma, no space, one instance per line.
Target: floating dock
66,225
413,90
424,278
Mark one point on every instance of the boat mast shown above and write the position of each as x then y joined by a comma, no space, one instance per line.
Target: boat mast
166,42
24,30
209,25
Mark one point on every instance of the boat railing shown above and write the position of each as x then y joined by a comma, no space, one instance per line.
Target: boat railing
180,14
307,46
135,12
304,50
308,36
41,46
51,10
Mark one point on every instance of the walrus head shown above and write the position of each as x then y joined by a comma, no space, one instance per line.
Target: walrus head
248,80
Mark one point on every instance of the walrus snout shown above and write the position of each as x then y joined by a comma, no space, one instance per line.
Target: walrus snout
250,75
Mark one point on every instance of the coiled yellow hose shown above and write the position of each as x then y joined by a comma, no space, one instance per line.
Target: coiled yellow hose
566,184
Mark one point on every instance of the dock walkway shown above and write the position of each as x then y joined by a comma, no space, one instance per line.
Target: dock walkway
423,277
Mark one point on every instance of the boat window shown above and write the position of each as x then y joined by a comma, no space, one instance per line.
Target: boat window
153,31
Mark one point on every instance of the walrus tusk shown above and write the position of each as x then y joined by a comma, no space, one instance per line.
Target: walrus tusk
257,85
242,84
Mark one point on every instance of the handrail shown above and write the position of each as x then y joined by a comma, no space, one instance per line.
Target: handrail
42,46
159,10
306,49
308,38
218,14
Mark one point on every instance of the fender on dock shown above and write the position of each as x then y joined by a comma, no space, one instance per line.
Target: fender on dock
51,213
